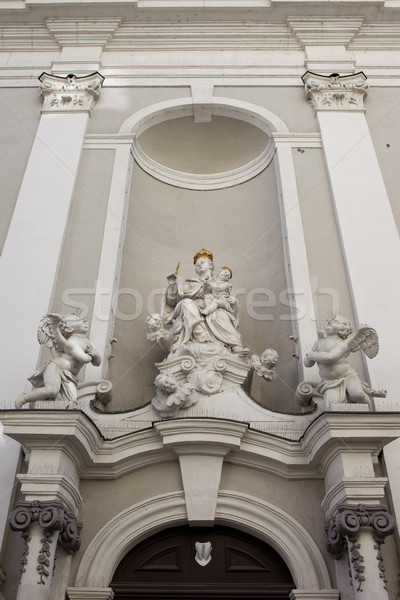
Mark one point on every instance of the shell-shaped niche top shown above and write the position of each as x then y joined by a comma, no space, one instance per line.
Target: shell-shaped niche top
203,156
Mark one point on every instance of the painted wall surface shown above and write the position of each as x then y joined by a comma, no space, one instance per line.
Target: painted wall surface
77,272
117,104
383,117
19,119
288,103
331,293
117,494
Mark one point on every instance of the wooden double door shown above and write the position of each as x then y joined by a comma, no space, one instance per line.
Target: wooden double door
164,567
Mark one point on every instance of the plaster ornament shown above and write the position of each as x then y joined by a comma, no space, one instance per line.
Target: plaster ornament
203,553
70,92
340,382
334,92
198,328
66,337
171,395
265,364
104,392
344,530
51,516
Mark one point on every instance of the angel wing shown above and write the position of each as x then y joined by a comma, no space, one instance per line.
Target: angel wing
49,333
365,338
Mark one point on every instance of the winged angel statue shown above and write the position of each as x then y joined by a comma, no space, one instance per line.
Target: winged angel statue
340,382
66,337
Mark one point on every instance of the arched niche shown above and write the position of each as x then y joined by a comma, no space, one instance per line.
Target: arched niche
239,214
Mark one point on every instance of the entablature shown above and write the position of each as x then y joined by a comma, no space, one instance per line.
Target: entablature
73,433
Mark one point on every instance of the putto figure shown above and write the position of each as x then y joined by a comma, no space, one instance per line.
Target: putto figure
265,364
340,382
70,348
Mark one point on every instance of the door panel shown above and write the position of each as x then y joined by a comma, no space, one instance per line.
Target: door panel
164,567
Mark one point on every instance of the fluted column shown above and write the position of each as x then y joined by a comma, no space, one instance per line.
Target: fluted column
361,529
371,245
43,525
30,258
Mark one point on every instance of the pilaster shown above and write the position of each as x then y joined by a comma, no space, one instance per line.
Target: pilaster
363,212
361,530
35,238
43,525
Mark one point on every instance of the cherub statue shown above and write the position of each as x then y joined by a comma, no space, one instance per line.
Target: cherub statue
171,395
334,344
70,348
265,364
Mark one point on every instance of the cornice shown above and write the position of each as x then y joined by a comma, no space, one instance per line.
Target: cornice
82,32
371,430
74,433
204,35
368,490
321,31
118,34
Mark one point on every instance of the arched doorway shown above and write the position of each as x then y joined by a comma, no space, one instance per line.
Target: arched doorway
164,567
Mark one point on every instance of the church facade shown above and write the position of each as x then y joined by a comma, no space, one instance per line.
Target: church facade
200,291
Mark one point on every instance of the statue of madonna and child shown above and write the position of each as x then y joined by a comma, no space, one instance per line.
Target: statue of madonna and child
198,327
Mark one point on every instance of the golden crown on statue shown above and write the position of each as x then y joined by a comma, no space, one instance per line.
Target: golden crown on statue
203,253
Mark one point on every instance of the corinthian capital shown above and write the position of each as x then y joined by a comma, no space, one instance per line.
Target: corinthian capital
350,518
70,93
333,92
51,517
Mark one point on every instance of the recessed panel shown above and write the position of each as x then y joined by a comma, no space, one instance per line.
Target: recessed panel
221,145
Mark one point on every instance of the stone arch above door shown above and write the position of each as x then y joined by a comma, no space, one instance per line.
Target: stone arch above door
202,563
240,511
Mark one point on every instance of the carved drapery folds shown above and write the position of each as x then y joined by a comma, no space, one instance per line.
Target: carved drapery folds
335,92
345,528
70,93
51,517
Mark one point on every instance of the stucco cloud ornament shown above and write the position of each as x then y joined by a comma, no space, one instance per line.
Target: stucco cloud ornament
339,381
198,328
66,337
